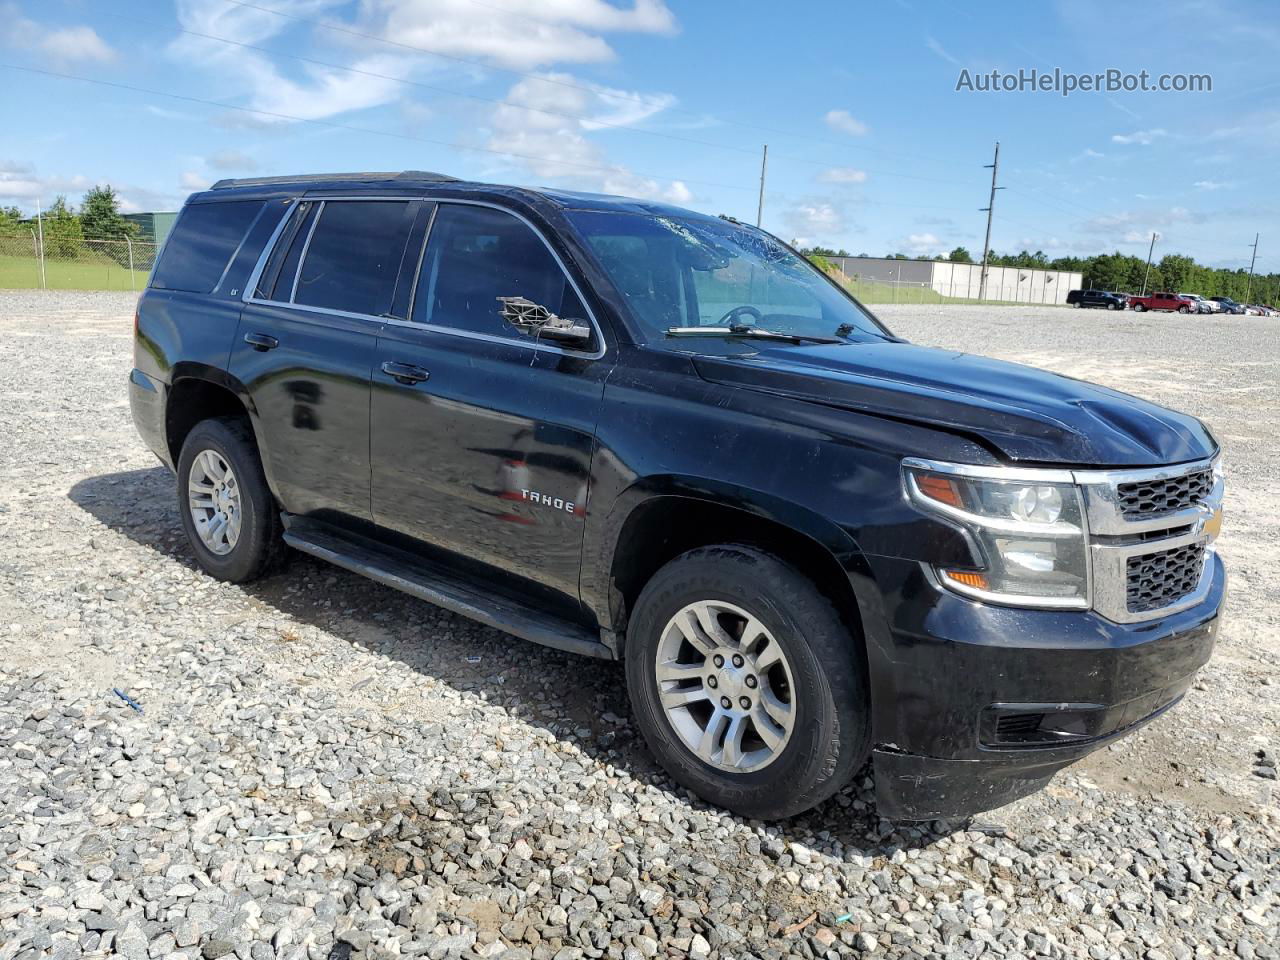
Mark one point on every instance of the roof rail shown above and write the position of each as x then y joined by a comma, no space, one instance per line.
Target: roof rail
325,177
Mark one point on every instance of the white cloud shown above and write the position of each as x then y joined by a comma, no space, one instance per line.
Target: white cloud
192,180
1211,185
814,219
1140,137
941,52
77,45
556,31
232,160
375,73
843,175
1136,226
845,122
65,45
551,136
20,184
1088,154
922,243
311,93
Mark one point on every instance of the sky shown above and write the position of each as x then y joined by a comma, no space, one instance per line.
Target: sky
871,146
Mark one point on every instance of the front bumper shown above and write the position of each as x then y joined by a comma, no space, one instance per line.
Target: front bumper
975,705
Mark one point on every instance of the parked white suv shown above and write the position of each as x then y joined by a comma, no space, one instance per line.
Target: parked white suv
1202,305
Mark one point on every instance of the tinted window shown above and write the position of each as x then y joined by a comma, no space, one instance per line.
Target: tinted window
474,256
353,257
283,288
276,282
201,244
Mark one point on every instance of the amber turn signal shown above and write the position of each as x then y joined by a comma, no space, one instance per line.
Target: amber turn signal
940,488
978,581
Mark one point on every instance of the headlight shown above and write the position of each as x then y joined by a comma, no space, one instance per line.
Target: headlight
1030,532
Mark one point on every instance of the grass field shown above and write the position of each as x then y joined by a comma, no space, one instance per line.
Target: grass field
23,273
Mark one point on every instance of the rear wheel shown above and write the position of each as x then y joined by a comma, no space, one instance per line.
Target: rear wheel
1184,309
228,513
1138,308
747,685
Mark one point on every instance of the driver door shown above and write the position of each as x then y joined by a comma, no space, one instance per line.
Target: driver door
484,450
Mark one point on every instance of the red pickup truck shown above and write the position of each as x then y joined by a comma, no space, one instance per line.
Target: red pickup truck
1163,301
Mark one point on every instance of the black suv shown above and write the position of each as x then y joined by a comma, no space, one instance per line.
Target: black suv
1097,298
639,433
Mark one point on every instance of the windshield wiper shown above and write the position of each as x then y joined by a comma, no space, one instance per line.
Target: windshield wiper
746,330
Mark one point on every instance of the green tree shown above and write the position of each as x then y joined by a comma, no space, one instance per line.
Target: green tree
100,216
1176,270
11,224
62,231
960,255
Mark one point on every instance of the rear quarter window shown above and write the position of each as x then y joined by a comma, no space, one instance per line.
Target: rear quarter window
202,244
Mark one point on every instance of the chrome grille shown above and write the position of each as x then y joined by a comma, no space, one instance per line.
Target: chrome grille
1149,543
1156,497
1156,580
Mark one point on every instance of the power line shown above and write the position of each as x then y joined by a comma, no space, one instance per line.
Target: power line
332,124
618,94
442,90
577,117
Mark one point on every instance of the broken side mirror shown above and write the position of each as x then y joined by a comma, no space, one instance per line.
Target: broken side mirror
539,322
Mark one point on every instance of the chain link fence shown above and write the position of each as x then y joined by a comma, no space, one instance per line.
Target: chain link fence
68,263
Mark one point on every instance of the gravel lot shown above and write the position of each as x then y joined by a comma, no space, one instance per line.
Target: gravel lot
325,766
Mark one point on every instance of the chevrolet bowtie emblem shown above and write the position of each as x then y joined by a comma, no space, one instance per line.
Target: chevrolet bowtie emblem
1212,524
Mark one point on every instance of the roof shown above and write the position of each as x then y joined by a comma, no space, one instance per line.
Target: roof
403,175
565,199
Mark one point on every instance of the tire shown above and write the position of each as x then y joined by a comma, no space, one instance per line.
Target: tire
822,673
1111,306
258,545
1184,309
1138,308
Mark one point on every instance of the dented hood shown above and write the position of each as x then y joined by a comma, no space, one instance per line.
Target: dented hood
1027,414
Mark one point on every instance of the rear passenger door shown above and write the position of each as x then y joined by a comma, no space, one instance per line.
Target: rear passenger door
305,348
487,454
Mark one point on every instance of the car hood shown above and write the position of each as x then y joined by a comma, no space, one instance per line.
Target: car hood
1027,414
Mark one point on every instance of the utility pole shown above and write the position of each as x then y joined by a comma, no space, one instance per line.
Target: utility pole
1147,275
994,167
1248,288
44,282
764,162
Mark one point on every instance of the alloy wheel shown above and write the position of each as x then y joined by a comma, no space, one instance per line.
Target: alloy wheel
213,496
725,685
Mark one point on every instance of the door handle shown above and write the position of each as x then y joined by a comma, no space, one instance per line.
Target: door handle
261,342
404,372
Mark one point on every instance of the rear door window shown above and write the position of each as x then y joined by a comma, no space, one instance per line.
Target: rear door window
350,258
202,243
474,256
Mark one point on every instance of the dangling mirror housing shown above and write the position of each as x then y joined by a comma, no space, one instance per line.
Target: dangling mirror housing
539,322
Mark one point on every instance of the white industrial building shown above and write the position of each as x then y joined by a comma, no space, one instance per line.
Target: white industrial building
963,280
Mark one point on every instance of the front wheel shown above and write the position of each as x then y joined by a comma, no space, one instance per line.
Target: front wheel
748,687
1184,309
1138,308
228,512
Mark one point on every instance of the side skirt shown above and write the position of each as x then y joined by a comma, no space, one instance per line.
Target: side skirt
429,582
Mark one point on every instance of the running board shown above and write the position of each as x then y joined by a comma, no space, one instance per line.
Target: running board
428,582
